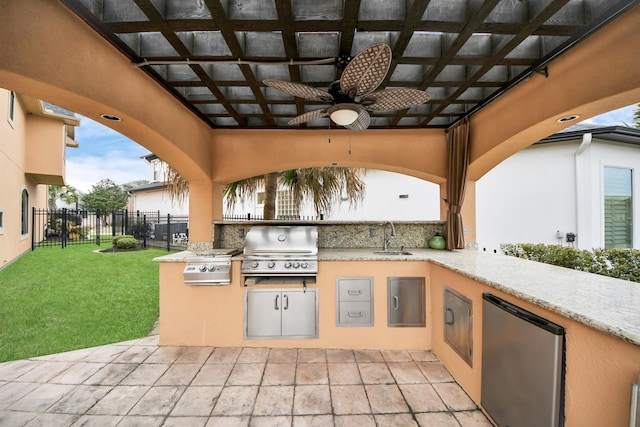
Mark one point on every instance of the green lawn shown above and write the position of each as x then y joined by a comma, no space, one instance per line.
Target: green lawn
54,300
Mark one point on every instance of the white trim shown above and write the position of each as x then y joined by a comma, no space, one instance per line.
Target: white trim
11,109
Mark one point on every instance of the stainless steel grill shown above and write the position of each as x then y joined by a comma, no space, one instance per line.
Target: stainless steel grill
277,252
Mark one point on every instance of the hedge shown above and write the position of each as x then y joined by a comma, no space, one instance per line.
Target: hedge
615,262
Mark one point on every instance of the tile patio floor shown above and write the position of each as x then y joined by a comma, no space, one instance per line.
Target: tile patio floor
138,383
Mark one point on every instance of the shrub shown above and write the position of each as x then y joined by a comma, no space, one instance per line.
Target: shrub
124,236
618,263
127,242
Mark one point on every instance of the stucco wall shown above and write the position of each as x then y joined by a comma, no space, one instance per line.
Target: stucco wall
12,173
213,315
600,368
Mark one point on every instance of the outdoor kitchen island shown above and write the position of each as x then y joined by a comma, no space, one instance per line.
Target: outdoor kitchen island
601,316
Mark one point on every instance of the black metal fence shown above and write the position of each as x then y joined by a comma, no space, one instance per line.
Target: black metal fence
62,227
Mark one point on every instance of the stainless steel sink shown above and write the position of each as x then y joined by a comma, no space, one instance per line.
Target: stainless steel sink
392,253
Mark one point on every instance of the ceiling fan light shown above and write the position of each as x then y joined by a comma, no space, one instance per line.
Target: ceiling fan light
343,115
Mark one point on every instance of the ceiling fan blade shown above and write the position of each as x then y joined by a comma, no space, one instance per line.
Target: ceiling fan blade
307,117
300,90
362,122
394,99
366,70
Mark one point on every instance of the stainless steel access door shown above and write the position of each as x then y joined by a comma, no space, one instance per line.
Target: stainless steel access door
406,301
522,366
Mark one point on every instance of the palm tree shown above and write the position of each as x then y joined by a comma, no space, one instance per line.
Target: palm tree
67,194
636,117
324,186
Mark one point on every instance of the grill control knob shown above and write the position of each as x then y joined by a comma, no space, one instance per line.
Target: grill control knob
254,264
271,264
202,268
287,264
212,267
304,265
296,264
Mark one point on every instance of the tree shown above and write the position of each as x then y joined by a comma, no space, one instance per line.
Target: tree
324,186
67,194
106,195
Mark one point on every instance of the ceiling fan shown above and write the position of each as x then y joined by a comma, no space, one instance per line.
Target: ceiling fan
354,95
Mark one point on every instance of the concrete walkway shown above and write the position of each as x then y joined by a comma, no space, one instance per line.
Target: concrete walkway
138,383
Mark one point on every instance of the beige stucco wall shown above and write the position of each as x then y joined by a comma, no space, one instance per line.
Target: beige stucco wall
14,181
44,156
600,368
213,315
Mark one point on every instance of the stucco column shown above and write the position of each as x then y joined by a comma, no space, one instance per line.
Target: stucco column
469,215
205,204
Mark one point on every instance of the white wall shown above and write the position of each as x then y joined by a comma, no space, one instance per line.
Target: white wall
534,194
157,200
382,201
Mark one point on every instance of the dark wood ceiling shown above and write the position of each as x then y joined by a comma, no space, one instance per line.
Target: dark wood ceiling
214,54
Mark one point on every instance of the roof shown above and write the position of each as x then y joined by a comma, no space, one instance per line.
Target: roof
622,134
214,55
150,186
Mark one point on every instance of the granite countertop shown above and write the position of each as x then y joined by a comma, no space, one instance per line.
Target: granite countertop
606,304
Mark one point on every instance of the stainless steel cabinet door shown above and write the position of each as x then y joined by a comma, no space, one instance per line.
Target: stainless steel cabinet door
406,301
299,317
263,314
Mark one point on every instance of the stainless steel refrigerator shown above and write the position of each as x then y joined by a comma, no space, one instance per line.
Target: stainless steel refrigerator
522,366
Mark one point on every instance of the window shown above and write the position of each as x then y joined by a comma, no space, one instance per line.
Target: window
25,213
618,208
157,171
286,206
12,107
1,222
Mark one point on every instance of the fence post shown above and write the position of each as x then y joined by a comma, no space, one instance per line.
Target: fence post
33,228
168,232
113,223
98,227
125,223
64,228
144,231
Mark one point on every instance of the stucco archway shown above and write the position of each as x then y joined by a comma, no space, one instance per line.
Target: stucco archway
74,67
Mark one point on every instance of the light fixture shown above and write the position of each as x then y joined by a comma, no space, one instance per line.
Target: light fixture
111,117
570,118
344,114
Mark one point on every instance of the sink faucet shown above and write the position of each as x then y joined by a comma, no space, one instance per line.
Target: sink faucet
387,239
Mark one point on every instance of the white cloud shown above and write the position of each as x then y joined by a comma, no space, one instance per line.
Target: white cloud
103,153
85,171
620,117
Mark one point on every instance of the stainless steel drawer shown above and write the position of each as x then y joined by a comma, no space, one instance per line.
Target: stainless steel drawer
354,289
355,313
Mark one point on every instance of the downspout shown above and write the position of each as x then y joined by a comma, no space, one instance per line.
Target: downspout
584,214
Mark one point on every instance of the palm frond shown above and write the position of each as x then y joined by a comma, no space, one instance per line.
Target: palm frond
242,190
176,186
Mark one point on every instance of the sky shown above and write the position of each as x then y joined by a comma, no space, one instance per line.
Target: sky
104,153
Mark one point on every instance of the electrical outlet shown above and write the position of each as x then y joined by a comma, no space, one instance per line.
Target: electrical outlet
372,232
